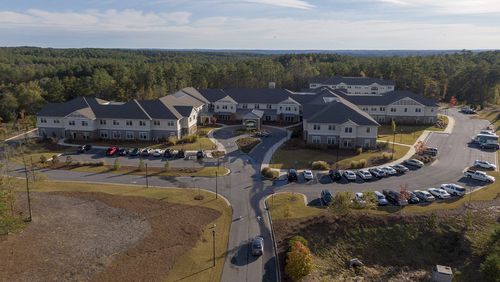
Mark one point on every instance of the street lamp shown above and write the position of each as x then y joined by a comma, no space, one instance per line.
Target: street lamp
216,185
213,244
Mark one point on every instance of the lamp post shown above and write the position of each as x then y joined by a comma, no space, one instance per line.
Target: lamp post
147,182
216,185
27,189
213,245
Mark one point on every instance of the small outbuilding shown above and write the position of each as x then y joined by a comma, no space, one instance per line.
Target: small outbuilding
442,273
252,119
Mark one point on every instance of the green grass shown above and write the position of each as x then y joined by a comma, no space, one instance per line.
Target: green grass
203,143
196,264
246,144
155,171
405,134
35,151
301,158
290,205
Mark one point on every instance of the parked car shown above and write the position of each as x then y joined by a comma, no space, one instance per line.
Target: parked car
157,153
111,151
454,189
377,172
439,193
431,151
414,162
308,175
326,197
257,246
350,175
168,154
335,174
389,170
292,175
484,164
412,198
364,174
84,148
488,146
123,151
381,200
146,152
135,152
261,134
479,175
424,196
360,199
181,154
200,154
400,168
394,197
488,132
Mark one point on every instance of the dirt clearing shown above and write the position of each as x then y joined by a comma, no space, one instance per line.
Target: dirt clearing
100,237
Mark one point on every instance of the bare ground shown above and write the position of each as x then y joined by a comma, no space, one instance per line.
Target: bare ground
100,237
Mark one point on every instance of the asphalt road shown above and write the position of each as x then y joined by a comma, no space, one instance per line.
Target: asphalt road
246,191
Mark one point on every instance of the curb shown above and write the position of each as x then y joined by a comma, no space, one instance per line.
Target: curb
275,247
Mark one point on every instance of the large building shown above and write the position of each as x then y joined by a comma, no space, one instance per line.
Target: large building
354,85
328,116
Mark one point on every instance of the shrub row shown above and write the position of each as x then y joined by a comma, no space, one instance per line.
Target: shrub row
320,165
358,164
269,173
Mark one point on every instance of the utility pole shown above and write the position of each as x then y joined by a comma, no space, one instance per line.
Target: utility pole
213,244
147,182
27,189
216,186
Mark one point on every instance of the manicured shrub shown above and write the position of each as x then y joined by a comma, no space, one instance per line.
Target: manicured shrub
43,159
269,173
362,163
320,165
297,238
386,156
79,163
69,160
55,159
100,163
189,139
299,262
354,164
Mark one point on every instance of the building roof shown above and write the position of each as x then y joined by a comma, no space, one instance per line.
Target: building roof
386,98
247,95
185,111
63,109
158,110
128,110
251,114
337,112
334,80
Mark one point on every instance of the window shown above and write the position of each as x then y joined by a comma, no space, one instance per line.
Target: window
281,108
56,121
143,135
217,106
331,127
382,109
418,110
170,123
244,106
295,108
116,135
288,108
406,110
365,109
84,123
257,106
393,110
224,107
368,130
316,127
142,123
129,135
156,122
316,139
374,109
348,129
104,134
269,106
43,120
432,109
115,122
268,118
347,144
129,123
71,122
330,140
102,122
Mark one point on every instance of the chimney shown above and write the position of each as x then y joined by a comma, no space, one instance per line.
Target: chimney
272,84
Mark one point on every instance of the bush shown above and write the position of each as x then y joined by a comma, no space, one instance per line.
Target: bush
141,166
172,140
341,202
386,156
69,160
43,159
297,238
320,165
269,173
100,163
382,145
362,163
166,166
359,151
116,164
354,164
189,139
299,261
55,159
79,163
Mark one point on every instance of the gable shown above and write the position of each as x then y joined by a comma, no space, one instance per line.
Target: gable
226,100
406,102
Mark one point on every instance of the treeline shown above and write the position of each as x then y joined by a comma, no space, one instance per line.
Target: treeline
30,77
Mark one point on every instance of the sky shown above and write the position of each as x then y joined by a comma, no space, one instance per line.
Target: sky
252,24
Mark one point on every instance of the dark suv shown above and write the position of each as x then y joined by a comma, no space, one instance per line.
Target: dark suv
326,197
84,148
394,197
335,174
292,175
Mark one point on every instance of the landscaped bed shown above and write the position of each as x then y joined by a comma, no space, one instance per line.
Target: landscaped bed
246,144
136,234
295,154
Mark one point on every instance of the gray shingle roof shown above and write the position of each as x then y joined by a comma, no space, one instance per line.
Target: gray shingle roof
337,112
350,80
386,98
247,95
128,110
63,109
185,111
157,110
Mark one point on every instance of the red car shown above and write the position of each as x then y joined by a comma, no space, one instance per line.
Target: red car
111,151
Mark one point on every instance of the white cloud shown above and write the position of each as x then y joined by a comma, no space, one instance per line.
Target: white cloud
296,4
137,29
452,6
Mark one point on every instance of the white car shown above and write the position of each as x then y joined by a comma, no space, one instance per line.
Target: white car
453,189
424,196
360,199
439,193
389,170
414,162
484,164
308,175
158,153
365,174
350,175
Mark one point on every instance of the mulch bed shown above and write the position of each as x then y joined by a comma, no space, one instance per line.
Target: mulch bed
100,237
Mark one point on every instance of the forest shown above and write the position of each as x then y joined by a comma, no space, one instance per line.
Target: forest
31,77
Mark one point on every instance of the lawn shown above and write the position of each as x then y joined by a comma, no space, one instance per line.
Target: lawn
299,157
246,144
405,134
152,171
290,205
195,265
36,150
